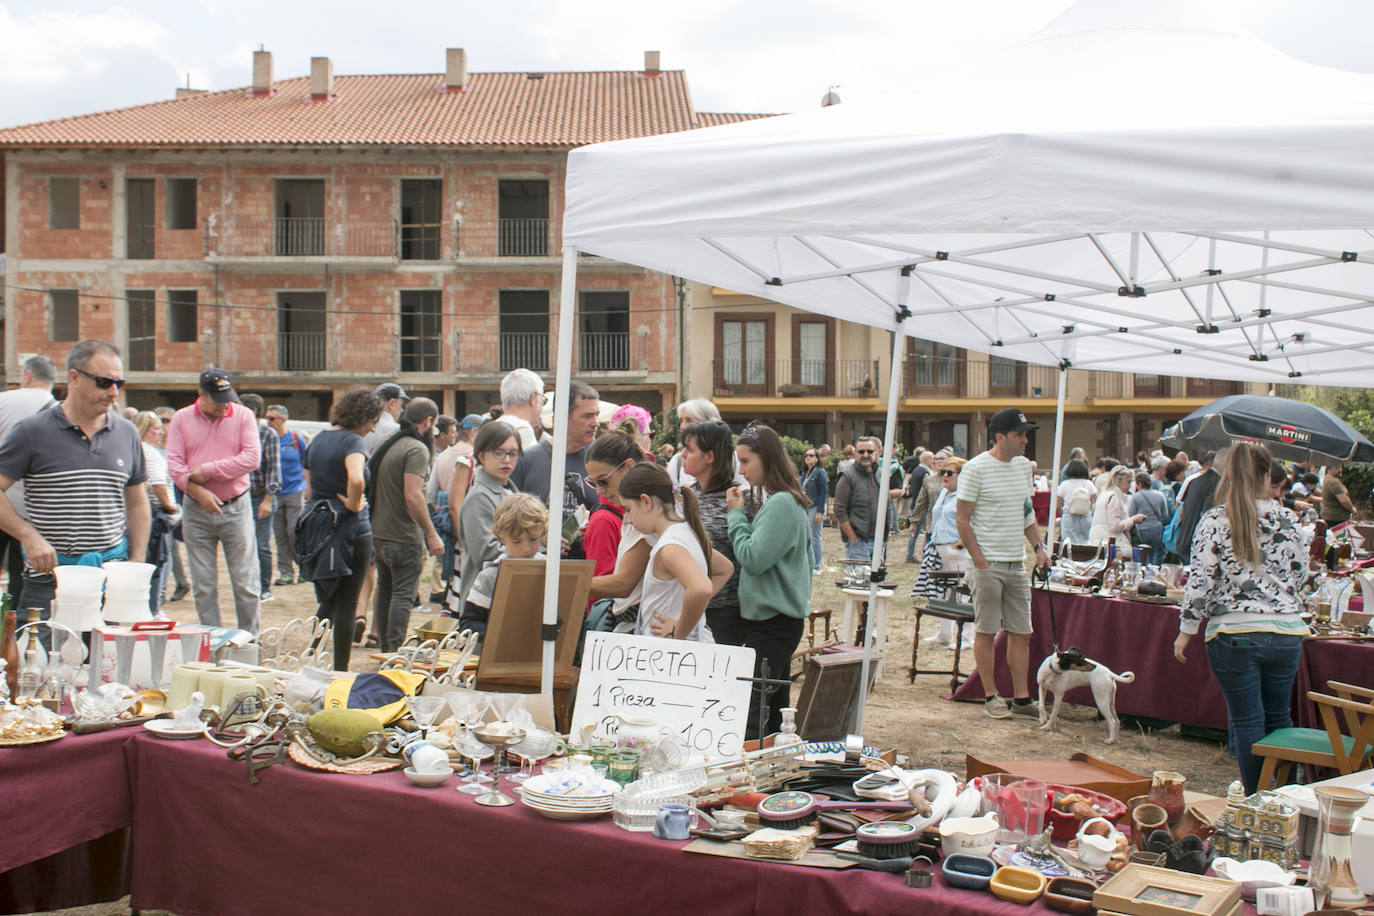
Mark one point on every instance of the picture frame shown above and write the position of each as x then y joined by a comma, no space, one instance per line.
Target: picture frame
512,653
1144,890
830,694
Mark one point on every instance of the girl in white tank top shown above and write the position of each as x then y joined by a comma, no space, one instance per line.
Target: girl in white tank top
677,581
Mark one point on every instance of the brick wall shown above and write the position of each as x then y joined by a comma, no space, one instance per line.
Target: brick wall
237,192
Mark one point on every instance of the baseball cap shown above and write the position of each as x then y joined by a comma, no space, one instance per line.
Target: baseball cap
215,383
388,390
471,421
1008,420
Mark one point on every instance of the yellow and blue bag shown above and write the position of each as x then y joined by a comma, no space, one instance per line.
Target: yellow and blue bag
382,695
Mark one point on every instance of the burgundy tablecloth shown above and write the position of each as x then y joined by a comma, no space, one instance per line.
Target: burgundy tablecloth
1139,637
1329,660
65,809
305,842
1124,636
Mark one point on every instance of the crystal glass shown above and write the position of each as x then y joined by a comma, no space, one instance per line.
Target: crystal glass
474,783
425,709
505,705
536,746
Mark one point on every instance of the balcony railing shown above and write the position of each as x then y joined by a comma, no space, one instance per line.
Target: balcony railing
503,238
524,349
289,237
828,378
301,350
1107,385
603,351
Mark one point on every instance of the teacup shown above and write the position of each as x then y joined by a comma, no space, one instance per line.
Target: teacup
426,758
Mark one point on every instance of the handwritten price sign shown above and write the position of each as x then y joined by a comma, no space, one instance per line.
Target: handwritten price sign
690,688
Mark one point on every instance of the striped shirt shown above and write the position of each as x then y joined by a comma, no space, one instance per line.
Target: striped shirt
1000,492
74,486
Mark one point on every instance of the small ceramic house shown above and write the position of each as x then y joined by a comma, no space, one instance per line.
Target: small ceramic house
1263,826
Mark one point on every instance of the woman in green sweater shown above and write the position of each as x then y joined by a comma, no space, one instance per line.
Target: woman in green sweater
773,552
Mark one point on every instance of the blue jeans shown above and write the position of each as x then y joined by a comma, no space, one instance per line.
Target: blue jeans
859,551
1255,672
816,559
911,537
1075,528
263,532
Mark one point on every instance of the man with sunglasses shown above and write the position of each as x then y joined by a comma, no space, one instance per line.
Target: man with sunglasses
212,450
82,467
856,501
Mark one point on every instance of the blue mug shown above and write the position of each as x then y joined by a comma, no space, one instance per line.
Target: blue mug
674,822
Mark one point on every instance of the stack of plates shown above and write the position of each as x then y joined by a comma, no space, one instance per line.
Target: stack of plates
596,802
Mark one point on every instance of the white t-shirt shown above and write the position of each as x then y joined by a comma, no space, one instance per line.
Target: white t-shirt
663,597
630,536
17,405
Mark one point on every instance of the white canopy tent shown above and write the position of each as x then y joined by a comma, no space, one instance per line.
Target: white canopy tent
1135,187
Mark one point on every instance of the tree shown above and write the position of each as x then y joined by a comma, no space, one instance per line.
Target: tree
1356,407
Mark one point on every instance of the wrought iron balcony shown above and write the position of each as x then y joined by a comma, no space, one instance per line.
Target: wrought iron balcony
770,378
301,350
297,237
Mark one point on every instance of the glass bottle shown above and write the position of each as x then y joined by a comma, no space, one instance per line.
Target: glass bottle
31,675
1330,877
35,617
1318,549
787,732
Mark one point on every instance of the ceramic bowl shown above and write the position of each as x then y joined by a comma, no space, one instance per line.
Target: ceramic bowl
973,836
1070,895
968,872
1252,875
1019,885
428,780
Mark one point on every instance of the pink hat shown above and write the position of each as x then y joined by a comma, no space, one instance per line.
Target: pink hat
641,417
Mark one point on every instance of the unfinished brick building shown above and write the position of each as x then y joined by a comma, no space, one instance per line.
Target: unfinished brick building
313,233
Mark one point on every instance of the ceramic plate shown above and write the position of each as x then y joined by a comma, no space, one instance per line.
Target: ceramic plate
166,728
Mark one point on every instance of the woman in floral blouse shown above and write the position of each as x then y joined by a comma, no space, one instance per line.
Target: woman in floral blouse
1249,560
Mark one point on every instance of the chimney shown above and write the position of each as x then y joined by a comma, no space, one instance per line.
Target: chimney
455,69
651,63
321,79
262,73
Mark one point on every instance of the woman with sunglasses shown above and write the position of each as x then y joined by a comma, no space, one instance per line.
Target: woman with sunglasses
620,550
494,452
708,458
943,552
773,552
815,485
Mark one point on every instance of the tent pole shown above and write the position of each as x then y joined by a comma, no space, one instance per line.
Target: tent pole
880,520
567,306
1058,457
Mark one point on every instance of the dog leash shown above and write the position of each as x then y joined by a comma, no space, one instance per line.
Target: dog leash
1049,597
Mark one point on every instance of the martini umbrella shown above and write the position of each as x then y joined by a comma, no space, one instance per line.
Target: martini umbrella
1292,430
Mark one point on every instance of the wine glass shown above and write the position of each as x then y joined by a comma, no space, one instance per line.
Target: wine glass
474,783
425,709
536,745
506,704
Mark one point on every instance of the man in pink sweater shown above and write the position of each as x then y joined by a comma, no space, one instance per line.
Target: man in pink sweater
212,447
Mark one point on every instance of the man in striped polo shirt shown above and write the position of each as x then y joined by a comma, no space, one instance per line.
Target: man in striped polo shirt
994,514
82,467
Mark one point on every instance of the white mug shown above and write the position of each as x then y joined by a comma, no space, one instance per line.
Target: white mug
212,685
241,681
185,681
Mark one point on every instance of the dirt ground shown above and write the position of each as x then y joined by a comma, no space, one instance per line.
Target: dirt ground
914,718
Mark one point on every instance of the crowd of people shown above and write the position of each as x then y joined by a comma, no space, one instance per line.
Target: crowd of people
715,541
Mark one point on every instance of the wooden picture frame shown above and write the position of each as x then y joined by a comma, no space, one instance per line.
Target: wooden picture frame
1143,890
830,693
512,651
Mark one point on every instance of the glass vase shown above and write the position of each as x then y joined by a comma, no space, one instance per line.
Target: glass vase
1330,877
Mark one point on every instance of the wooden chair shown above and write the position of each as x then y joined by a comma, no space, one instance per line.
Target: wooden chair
1327,746
962,615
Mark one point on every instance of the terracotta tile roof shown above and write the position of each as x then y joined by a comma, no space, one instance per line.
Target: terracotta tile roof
558,109
714,118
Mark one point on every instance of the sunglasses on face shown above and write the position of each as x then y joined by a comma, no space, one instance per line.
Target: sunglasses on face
948,473
603,482
103,382
811,454
864,451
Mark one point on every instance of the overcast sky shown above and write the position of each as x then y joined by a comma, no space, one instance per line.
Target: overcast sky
66,57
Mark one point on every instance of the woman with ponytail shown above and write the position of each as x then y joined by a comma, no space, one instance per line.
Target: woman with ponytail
774,554
708,458
1249,560
683,570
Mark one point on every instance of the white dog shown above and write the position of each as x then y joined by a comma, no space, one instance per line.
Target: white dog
1068,669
